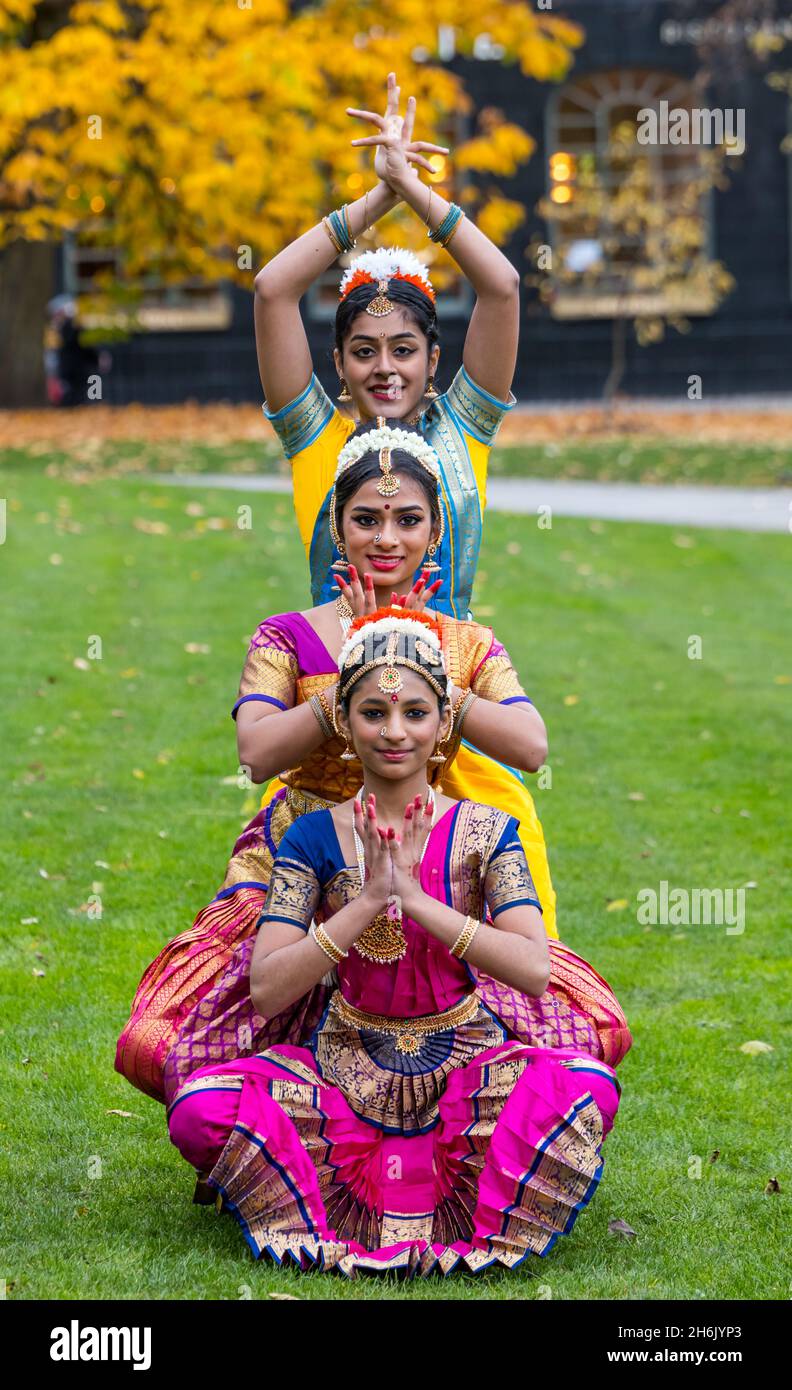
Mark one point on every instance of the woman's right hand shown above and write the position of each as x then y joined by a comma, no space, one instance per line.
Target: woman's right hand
378,866
362,598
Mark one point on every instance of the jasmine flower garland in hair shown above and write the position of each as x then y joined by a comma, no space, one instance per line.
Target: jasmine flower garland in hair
386,438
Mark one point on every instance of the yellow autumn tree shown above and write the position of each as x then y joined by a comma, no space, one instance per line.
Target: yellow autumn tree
180,134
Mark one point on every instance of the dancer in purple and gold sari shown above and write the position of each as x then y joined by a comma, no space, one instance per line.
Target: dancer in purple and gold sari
413,1129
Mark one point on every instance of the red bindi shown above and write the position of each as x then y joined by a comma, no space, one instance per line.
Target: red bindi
394,699
387,506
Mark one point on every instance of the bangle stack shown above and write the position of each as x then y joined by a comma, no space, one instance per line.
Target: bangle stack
465,937
461,709
338,229
323,716
448,226
326,943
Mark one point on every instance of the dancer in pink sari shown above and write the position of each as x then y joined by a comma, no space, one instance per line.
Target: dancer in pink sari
414,1130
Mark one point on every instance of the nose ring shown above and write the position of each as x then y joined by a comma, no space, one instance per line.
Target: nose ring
384,731
378,538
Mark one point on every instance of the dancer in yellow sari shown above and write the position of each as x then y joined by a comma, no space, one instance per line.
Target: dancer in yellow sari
386,354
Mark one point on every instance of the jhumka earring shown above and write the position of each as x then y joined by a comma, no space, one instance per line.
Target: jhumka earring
437,756
349,755
344,398
429,391
431,564
342,562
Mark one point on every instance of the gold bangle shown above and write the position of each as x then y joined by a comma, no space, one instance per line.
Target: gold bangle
329,714
322,716
461,709
465,937
326,943
332,236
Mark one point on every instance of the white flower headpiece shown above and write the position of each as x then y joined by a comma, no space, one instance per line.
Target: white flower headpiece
386,437
386,263
383,627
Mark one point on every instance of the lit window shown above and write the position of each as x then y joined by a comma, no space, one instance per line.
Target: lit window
630,223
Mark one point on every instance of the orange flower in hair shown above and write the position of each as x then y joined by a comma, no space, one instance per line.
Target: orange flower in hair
394,610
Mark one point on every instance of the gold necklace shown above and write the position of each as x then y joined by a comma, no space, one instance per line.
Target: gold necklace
383,940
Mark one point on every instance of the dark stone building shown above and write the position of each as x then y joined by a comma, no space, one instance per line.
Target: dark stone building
636,53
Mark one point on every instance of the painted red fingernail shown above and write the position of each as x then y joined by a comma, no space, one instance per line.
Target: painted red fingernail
369,582
353,571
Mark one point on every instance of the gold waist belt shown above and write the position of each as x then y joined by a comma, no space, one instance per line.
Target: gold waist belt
407,1032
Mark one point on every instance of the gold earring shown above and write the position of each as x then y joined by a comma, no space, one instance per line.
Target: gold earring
429,391
431,564
345,397
438,757
349,755
342,562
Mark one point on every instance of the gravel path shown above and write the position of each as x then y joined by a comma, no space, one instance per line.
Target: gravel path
735,509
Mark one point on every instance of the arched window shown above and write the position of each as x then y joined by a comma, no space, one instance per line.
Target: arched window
628,208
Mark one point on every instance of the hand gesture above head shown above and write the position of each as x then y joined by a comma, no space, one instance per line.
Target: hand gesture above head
396,151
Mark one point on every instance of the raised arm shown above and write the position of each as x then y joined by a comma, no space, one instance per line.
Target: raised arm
284,357
490,352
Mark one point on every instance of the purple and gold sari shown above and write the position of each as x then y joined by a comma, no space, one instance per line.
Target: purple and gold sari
177,1006
414,1127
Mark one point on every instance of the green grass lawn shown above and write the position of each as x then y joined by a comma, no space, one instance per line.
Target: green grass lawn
628,460
118,781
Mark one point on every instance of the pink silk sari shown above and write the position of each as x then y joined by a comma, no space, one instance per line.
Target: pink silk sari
479,1147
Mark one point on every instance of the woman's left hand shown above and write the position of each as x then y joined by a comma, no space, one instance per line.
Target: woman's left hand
406,848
